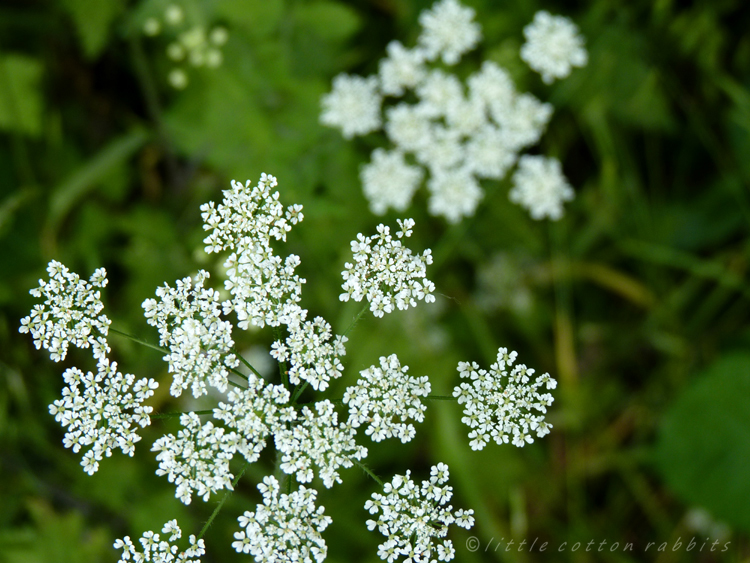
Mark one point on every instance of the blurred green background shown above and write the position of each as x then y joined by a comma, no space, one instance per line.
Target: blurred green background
636,301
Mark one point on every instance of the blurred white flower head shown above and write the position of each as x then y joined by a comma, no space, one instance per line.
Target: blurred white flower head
553,46
449,133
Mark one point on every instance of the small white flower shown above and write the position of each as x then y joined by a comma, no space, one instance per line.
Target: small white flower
386,398
387,273
285,527
454,194
316,439
353,105
503,404
71,313
415,519
403,68
553,46
161,551
103,411
540,187
388,181
448,31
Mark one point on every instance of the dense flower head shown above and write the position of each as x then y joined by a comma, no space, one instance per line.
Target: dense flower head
450,132
503,404
286,527
386,398
189,321
386,273
353,105
314,357
413,518
102,411
71,313
448,31
318,440
389,181
264,288
540,187
553,46
158,550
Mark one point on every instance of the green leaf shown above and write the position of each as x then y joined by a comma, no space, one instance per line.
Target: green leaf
330,20
93,20
260,17
704,441
20,96
93,172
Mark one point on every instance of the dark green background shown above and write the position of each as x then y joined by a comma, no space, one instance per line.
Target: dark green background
636,301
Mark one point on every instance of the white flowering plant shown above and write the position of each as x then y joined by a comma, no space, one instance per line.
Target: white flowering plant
314,440
454,135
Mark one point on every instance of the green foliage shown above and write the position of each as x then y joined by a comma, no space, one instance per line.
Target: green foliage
631,301
20,95
704,440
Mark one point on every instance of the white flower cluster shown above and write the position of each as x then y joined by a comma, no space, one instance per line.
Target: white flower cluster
200,343
71,313
540,187
192,44
103,411
386,398
500,405
283,528
387,273
157,550
100,411
266,290
413,517
318,440
197,459
553,46
354,105
460,133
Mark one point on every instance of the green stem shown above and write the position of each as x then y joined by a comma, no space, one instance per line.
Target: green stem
139,341
356,319
367,470
248,365
221,503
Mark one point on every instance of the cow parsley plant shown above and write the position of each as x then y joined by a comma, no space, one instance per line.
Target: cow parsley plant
445,132
315,441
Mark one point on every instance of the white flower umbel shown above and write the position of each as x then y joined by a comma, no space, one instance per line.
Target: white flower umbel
197,459
316,439
102,411
70,314
353,105
456,131
386,273
161,551
265,290
403,68
503,404
449,31
285,527
454,194
553,46
189,321
415,518
259,410
540,187
385,398
313,356
388,181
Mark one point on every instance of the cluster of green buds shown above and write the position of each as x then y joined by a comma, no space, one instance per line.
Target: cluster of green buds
191,44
